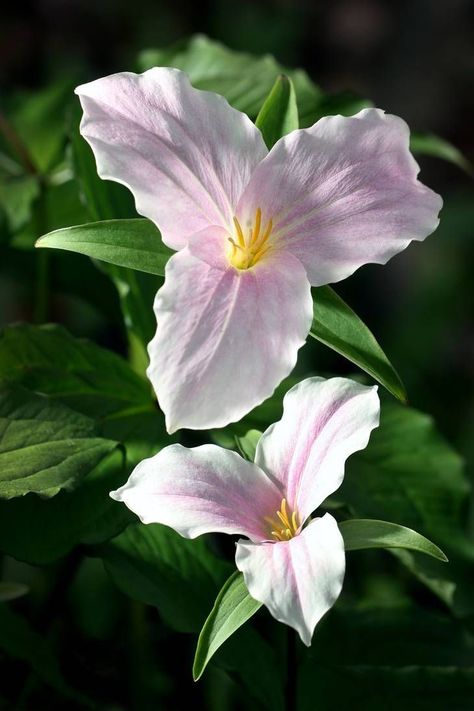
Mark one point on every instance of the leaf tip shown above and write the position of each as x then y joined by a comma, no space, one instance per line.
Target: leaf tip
197,672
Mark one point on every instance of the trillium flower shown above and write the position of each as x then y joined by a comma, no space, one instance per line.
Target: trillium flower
293,565
253,228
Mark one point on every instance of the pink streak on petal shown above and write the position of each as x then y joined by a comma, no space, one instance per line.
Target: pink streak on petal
201,490
185,154
225,338
297,580
343,193
324,422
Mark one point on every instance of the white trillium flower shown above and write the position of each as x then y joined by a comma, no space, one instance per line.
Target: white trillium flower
253,228
293,565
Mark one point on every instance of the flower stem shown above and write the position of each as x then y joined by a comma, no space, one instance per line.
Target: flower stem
291,690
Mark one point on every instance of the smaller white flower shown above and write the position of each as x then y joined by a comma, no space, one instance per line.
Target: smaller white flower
296,570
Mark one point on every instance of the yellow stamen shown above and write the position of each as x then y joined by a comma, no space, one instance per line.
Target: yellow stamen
245,253
240,234
285,525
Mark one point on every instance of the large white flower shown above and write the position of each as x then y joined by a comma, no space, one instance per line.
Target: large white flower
253,229
296,570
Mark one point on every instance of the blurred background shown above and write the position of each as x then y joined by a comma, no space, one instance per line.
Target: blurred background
413,58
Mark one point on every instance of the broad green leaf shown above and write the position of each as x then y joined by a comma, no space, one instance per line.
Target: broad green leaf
409,472
11,591
232,608
248,444
78,373
134,243
40,531
44,446
337,326
245,80
22,642
156,566
431,145
279,113
370,533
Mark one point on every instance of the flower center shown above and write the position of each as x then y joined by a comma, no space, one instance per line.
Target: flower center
244,252
285,524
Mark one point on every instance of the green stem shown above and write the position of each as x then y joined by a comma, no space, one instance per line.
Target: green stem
291,690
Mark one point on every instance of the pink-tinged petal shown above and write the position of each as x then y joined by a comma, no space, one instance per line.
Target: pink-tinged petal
324,421
297,580
201,490
185,154
225,338
343,193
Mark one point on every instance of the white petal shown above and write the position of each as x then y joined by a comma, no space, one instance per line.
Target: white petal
297,580
225,338
343,193
201,490
324,421
185,154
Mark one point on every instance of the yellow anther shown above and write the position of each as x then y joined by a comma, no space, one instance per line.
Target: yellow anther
245,253
284,525
240,234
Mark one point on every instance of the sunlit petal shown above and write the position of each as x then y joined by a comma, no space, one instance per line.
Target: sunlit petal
297,580
200,490
343,193
185,154
324,421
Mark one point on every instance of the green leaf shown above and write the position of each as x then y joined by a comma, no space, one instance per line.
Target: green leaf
74,371
370,533
248,444
409,472
11,591
134,243
431,145
337,326
156,566
279,114
232,608
40,531
44,446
